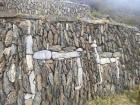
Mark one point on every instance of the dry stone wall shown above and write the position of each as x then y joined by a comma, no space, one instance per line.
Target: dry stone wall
49,8
65,62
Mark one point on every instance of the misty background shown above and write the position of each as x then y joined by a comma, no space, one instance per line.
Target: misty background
126,11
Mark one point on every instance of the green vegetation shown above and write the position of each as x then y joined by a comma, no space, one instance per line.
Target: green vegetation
131,97
96,14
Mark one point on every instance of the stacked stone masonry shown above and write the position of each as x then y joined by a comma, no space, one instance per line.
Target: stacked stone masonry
54,62
49,8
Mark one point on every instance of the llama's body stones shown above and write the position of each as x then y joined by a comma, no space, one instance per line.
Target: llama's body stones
56,55
44,54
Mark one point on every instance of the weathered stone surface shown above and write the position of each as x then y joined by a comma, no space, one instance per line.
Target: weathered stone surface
7,86
3,97
106,55
29,44
8,39
37,100
12,98
13,49
20,98
50,37
7,52
1,47
29,102
117,54
44,54
26,83
65,62
56,55
55,48
28,96
39,82
56,38
12,73
69,49
2,63
25,25
29,61
64,9
32,82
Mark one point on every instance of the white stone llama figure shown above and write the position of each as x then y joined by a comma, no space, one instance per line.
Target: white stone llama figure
46,54
100,61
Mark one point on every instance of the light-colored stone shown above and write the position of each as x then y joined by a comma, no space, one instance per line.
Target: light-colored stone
117,54
12,73
8,39
32,82
80,50
78,87
67,26
56,55
13,49
15,31
28,96
106,55
44,54
29,44
7,51
107,60
102,29
100,73
29,102
79,63
94,45
80,74
118,69
51,78
90,39
29,61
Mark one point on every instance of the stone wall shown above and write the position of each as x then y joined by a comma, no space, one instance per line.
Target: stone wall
65,62
48,8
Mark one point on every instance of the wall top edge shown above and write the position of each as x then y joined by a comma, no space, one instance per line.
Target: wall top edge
64,19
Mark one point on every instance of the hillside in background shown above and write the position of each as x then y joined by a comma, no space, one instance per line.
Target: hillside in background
125,11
